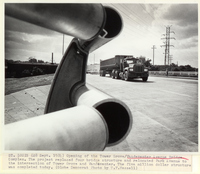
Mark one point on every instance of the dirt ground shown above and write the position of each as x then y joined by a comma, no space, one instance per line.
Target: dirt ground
18,84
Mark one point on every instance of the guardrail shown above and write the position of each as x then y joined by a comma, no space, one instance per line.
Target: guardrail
175,73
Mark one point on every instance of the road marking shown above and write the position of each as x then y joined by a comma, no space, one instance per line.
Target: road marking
177,93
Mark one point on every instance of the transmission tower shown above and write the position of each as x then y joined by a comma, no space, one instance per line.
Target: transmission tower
167,44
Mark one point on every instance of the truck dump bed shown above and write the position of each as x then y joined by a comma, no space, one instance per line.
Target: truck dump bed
112,63
109,64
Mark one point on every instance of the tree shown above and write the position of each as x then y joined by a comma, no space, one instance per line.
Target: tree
173,65
37,71
32,60
147,63
189,68
40,61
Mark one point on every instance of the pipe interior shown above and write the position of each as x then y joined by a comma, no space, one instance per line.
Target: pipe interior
117,119
113,22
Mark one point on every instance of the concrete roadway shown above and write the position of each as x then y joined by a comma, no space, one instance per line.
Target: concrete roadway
164,110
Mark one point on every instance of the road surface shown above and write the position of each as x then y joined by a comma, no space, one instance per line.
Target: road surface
164,110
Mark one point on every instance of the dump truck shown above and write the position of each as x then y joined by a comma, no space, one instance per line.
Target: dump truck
125,67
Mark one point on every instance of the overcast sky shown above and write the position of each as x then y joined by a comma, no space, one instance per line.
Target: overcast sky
144,26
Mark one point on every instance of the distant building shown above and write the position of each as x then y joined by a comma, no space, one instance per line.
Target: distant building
93,68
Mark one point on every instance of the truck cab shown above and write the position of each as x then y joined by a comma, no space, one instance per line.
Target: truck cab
133,68
125,67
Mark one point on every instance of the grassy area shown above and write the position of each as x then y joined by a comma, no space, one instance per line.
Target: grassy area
18,84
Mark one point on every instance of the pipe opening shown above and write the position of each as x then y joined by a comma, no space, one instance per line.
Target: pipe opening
113,23
118,120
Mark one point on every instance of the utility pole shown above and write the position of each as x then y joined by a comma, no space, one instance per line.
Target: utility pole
167,44
153,52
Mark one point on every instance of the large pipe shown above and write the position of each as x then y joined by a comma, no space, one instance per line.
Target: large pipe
69,129
112,28
70,80
83,21
92,25
115,112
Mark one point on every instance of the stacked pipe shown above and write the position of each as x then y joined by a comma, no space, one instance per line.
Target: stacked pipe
76,118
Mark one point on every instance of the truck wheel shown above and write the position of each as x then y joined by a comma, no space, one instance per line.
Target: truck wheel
144,79
103,73
121,75
116,74
126,76
113,74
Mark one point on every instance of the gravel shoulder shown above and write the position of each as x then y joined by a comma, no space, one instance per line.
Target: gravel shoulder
17,84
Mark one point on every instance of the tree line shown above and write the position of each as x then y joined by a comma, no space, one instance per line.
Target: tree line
30,60
171,67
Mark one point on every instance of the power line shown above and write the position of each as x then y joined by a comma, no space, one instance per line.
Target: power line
147,12
133,20
124,13
129,20
135,14
131,17
124,10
